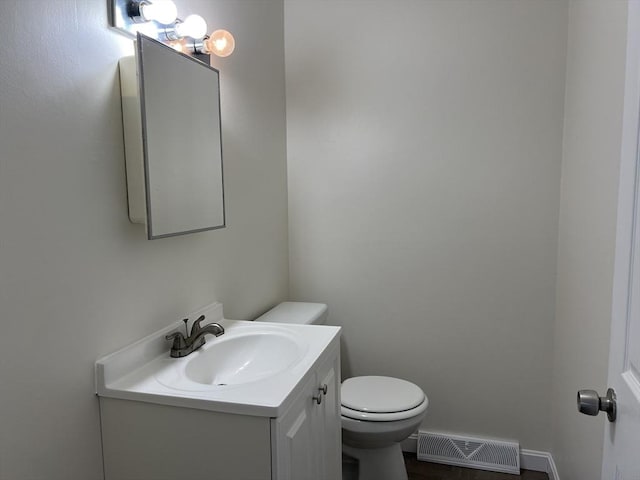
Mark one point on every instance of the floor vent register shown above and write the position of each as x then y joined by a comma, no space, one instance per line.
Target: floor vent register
470,452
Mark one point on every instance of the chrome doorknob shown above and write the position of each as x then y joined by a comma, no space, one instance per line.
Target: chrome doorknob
590,403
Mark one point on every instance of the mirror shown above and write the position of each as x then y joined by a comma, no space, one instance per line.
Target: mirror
171,117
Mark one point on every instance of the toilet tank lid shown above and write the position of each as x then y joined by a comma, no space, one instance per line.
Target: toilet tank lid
296,312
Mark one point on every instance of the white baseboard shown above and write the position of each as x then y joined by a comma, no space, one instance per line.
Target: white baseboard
529,459
410,445
539,462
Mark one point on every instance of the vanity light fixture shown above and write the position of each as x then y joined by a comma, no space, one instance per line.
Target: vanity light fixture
220,43
159,19
194,26
164,12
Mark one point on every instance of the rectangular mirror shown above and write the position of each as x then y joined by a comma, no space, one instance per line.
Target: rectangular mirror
171,117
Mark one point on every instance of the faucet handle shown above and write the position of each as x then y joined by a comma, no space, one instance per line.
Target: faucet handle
178,340
195,328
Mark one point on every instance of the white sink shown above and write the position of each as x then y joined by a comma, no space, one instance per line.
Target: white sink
235,358
243,358
252,369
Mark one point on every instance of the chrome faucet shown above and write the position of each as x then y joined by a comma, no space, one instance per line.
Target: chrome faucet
183,346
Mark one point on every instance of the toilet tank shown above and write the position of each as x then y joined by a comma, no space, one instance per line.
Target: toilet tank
296,312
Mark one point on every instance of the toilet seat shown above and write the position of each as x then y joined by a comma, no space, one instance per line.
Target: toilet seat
381,399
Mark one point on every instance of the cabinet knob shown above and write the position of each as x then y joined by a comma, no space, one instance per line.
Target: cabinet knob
322,390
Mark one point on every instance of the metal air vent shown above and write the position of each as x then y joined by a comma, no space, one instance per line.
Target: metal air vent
470,452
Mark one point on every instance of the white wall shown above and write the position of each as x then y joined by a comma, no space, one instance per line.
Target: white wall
424,141
77,280
590,169
423,196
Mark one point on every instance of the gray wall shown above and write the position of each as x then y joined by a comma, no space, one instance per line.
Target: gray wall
77,280
424,143
590,169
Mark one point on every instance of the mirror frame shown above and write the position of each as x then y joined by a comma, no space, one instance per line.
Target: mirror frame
136,149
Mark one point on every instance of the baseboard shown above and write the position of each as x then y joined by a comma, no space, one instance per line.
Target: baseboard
529,459
539,462
410,445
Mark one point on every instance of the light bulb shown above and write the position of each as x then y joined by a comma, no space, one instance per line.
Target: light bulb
178,45
220,43
162,11
193,26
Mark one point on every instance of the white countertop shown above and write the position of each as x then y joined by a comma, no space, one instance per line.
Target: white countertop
136,372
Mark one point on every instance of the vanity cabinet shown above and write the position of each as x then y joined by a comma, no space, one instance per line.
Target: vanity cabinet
147,441
308,437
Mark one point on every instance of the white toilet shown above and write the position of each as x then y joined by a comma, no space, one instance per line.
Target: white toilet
377,412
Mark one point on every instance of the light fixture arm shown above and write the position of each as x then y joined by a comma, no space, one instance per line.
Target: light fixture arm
134,11
168,33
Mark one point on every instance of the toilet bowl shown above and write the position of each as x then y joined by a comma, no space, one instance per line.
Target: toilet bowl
377,412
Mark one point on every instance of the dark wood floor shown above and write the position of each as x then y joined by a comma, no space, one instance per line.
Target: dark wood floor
418,470
432,471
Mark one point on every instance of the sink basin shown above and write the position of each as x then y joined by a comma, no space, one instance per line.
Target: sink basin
235,358
243,359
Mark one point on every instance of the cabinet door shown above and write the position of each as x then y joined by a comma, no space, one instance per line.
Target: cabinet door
296,441
308,437
329,426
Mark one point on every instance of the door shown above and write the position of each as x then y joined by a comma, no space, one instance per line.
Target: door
622,437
